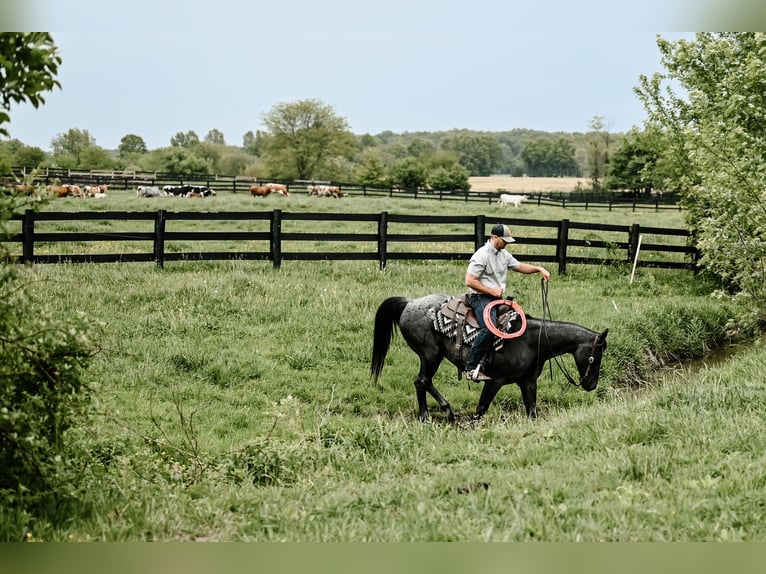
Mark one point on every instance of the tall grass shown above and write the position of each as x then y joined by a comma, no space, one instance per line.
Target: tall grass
234,403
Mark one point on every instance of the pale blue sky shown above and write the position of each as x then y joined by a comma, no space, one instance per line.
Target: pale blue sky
156,68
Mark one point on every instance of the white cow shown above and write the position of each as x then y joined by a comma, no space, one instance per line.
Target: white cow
515,200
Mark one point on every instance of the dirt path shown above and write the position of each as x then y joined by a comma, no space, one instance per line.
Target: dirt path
526,184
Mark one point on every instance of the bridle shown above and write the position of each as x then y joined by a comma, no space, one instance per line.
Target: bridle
555,359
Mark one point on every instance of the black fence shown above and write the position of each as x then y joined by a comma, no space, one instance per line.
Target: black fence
396,237
239,184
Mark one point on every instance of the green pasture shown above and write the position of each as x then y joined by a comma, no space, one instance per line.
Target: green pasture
232,401
300,202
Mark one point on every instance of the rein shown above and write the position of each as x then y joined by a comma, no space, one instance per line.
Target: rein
559,364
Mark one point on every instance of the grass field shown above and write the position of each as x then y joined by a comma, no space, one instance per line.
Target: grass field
233,402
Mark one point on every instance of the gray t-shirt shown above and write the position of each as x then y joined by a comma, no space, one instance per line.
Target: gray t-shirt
491,266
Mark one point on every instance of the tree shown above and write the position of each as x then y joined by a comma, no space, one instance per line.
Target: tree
534,153
14,153
711,107
479,153
409,173
452,177
178,160
370,169
68,147
634,165
253,143
598,150
303,137
215,136
187,139
131,144
28,67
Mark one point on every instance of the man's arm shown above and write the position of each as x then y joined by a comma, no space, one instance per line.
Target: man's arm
527,269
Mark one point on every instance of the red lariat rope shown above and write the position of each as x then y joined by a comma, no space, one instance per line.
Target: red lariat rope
494,330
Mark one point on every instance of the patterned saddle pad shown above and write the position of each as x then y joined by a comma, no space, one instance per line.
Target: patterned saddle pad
456,314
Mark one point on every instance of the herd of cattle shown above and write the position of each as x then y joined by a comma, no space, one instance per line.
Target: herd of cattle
258,190
174,191
66,190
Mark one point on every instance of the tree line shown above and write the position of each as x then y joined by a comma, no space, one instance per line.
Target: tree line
308,140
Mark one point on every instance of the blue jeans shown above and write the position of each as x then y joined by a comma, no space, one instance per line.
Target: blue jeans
484,339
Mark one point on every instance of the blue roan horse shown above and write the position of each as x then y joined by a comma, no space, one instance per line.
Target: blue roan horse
519,361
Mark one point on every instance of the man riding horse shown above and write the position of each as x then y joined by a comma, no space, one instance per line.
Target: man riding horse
486,282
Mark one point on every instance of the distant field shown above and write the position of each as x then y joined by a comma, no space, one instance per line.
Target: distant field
526,184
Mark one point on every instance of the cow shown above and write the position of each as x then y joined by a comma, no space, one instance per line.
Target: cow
66,190
515,200
176,190
278,188
200,191
325,191
260,190
95,190
150,191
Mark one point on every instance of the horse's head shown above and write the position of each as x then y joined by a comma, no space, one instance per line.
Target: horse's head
588,359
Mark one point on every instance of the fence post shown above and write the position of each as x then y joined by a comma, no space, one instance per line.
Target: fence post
478,231
275,246
159,238
633,241
561,245
28,236
383,239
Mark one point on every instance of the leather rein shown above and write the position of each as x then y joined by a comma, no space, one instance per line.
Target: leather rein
559,364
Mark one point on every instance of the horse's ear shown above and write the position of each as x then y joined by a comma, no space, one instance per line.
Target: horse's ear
602,336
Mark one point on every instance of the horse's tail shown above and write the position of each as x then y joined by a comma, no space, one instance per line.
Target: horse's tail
386,320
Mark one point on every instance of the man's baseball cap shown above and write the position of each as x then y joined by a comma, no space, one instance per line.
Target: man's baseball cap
503,231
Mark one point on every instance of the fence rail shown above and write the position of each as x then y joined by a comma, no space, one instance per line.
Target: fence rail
561,242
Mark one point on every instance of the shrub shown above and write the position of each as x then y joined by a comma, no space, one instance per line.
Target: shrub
41,390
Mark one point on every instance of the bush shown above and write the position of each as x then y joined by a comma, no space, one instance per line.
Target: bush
41,391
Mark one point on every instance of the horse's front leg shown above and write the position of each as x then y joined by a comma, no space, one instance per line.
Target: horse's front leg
487,396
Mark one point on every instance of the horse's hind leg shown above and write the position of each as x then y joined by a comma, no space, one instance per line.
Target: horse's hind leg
424,383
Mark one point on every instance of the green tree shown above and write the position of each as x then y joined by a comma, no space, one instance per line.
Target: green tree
14,153
234,161
304,138
634,164
215,137
452,177
68,147
178,160
535,153
711,106
409,173
370,169
28,67
187,139
479,153
598,150
96,157
131,144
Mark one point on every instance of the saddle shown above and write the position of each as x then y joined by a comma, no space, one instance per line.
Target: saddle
457,320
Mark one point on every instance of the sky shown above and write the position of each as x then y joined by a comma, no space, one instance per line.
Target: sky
157,68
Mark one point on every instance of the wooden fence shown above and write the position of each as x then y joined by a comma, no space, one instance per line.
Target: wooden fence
561,242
